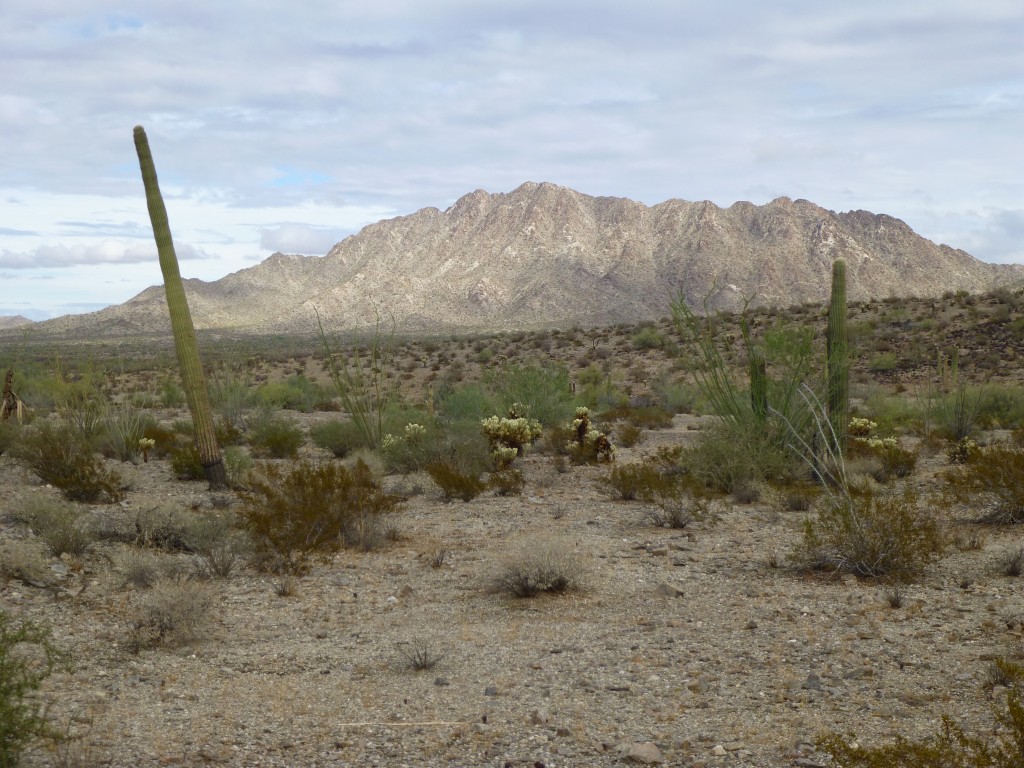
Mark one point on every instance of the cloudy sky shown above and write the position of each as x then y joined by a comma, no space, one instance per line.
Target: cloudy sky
289,125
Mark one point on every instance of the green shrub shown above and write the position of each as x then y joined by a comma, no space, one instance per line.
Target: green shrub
455,483
297,513
873,536
646,416
957,414
338,436
63,457
121,430
951,747
469,402
991,483
9,433
296,393
410,449
883,362
540,565
641,481
275,437
674,396
544,391
648,338
27,658
185,462
507,482
164,439
732,454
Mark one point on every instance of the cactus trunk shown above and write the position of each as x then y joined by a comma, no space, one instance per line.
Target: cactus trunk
758,384
837,361
185,344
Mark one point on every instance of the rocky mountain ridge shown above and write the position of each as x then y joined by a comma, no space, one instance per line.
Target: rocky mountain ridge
545,255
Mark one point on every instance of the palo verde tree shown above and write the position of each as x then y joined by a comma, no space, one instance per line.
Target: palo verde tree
184,331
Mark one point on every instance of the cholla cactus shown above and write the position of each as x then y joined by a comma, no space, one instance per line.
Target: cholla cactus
515,432
145,445
860,427
414,434
588,444
962,451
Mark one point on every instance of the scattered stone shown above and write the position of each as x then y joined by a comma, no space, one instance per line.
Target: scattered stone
646,753
669,590
440,682
491,690
539,717
718,750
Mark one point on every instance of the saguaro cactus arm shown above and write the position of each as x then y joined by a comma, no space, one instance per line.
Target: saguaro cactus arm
185,344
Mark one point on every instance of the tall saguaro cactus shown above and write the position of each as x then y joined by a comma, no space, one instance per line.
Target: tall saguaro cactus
185,344
837,363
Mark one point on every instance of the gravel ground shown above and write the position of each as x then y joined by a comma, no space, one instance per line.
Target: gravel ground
682,647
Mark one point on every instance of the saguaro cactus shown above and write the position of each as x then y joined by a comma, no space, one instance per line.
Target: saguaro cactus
185,344
758,384
837,363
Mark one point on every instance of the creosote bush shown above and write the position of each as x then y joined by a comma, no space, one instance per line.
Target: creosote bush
27,657
454,483
64,527
275,437
951,747
303,511
871,535
63,457
990,484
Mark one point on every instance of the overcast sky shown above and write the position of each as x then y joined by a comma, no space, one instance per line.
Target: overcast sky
289,125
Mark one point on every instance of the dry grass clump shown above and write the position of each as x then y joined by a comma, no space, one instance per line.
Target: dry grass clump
171,613
64,527
25,561
540,565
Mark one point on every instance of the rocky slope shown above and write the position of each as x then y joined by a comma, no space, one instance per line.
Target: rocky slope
544,255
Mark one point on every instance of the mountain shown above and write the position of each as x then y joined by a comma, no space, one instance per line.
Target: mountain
13,321
544,255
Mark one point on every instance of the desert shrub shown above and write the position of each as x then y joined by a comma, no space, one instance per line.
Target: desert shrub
26,561
951,747
469,402
674,396
678,511
644,481
9,432
231,398
63,457
957,413
300,512
64,527
644,416
870,535
138,567
338,436
216,543
507,482
275,437
886,361
1002,406
172,612
629,435
27,657
296,393
647,338
454,482
540,565
543,391
166,526
1011,563
732,454
119,434
164,438
185,462
894,461
410,449
991,483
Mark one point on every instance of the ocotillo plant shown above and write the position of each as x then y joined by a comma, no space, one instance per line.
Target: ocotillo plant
837,363
185,344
